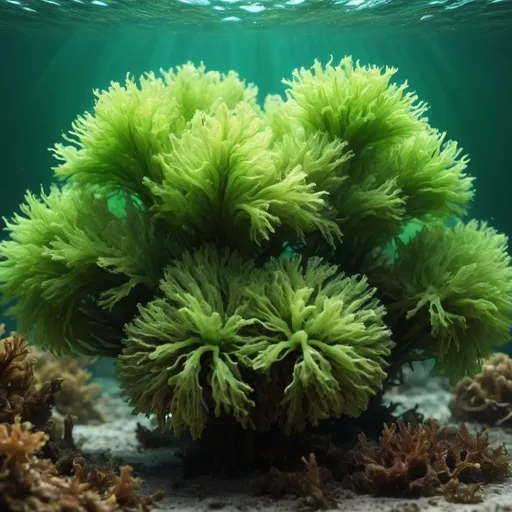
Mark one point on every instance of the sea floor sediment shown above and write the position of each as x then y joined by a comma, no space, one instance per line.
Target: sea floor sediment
162,468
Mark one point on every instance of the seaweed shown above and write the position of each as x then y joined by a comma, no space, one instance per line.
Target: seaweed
78,396
301,269
309,484
18,394
456,492
40,464
485,398
420,460
60,446
28,482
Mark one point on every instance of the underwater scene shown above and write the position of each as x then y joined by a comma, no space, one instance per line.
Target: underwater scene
255,255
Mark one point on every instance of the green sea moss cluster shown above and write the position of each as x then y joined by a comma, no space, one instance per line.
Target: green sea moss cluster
252,261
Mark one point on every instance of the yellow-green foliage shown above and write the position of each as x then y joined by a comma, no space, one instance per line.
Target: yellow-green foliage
354,103
114,147
195,89
392,167
222,183
180,193
452,290
196,323
331,326
219,320
68,255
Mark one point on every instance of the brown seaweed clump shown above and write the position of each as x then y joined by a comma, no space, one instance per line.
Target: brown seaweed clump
31,483
486,398
18,394
424,460
60,446
456,492
308,484
78,397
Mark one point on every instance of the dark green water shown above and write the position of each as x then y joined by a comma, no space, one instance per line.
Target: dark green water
456,58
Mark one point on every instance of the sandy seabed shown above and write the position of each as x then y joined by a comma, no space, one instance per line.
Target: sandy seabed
161,469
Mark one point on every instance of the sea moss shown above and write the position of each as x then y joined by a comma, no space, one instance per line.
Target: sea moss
251,262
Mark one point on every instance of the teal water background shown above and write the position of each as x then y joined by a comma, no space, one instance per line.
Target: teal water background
462,69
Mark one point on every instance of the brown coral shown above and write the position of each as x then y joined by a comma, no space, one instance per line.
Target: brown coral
60,446
33,462
487,397
18,443
456,492
18,395
30,483
309,484
16,370
32,382
78,396
417,460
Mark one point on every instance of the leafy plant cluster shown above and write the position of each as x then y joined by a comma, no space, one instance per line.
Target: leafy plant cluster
257,261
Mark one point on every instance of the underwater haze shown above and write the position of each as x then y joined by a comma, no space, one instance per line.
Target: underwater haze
454,54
